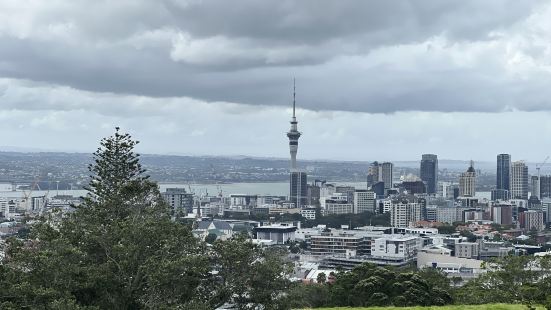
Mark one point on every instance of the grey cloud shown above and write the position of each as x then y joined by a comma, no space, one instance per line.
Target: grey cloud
130,48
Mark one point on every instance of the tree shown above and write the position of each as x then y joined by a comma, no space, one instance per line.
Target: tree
369,285
119,250
512,279
446,229
321,278
211,237
248,275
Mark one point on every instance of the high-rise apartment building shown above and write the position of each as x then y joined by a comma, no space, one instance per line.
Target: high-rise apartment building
403,213
532,219
179,200
429,172
519,180
467,182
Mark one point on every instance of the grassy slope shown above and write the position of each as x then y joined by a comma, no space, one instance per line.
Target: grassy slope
455,307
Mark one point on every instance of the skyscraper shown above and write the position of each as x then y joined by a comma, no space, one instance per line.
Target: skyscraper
298,189
380,173
429,172
385,174
503,178
503,172
373,173
467,182
519,180
545,186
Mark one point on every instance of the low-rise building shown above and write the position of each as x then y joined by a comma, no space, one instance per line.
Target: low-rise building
278,233
467,250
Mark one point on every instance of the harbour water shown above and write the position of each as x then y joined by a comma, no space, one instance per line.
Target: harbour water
267,188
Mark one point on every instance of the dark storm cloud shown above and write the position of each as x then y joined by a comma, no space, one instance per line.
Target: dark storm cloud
369,56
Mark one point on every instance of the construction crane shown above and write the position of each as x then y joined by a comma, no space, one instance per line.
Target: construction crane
27,194
538,167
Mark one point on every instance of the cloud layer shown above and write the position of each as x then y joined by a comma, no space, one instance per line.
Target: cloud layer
431,75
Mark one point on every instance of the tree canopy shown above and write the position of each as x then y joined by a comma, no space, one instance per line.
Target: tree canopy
121,250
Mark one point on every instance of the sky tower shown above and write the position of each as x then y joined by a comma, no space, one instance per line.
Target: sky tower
297,179
293,133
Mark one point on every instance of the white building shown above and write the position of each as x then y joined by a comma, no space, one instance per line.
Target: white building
403,213
245,201
519,180
445,189
338,208
337,204
532,219
279,234
446,214
308,213
395,247
467,182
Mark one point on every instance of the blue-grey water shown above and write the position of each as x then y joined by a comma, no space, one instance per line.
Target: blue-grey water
267,188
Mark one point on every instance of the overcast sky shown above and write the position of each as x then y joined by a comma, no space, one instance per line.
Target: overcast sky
376,80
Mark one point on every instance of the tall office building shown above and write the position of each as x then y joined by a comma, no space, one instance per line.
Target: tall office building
503,171
385,174
545,186
298,189
519,180
380,172
467,182
503,178
429,172
373,173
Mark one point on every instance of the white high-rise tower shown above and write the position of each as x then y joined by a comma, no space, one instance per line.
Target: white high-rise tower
293,134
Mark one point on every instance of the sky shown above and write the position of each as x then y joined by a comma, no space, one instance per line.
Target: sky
376,80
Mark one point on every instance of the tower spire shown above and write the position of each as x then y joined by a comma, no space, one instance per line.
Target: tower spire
293,134
294,96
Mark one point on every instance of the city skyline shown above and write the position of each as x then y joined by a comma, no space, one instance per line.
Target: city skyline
167,72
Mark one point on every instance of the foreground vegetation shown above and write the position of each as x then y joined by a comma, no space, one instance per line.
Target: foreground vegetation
121,249
453,307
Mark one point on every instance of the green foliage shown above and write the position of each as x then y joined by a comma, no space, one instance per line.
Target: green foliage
449,307
370,285
211,237
469,235
446,229
121,250
249,275
322,278
513,279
